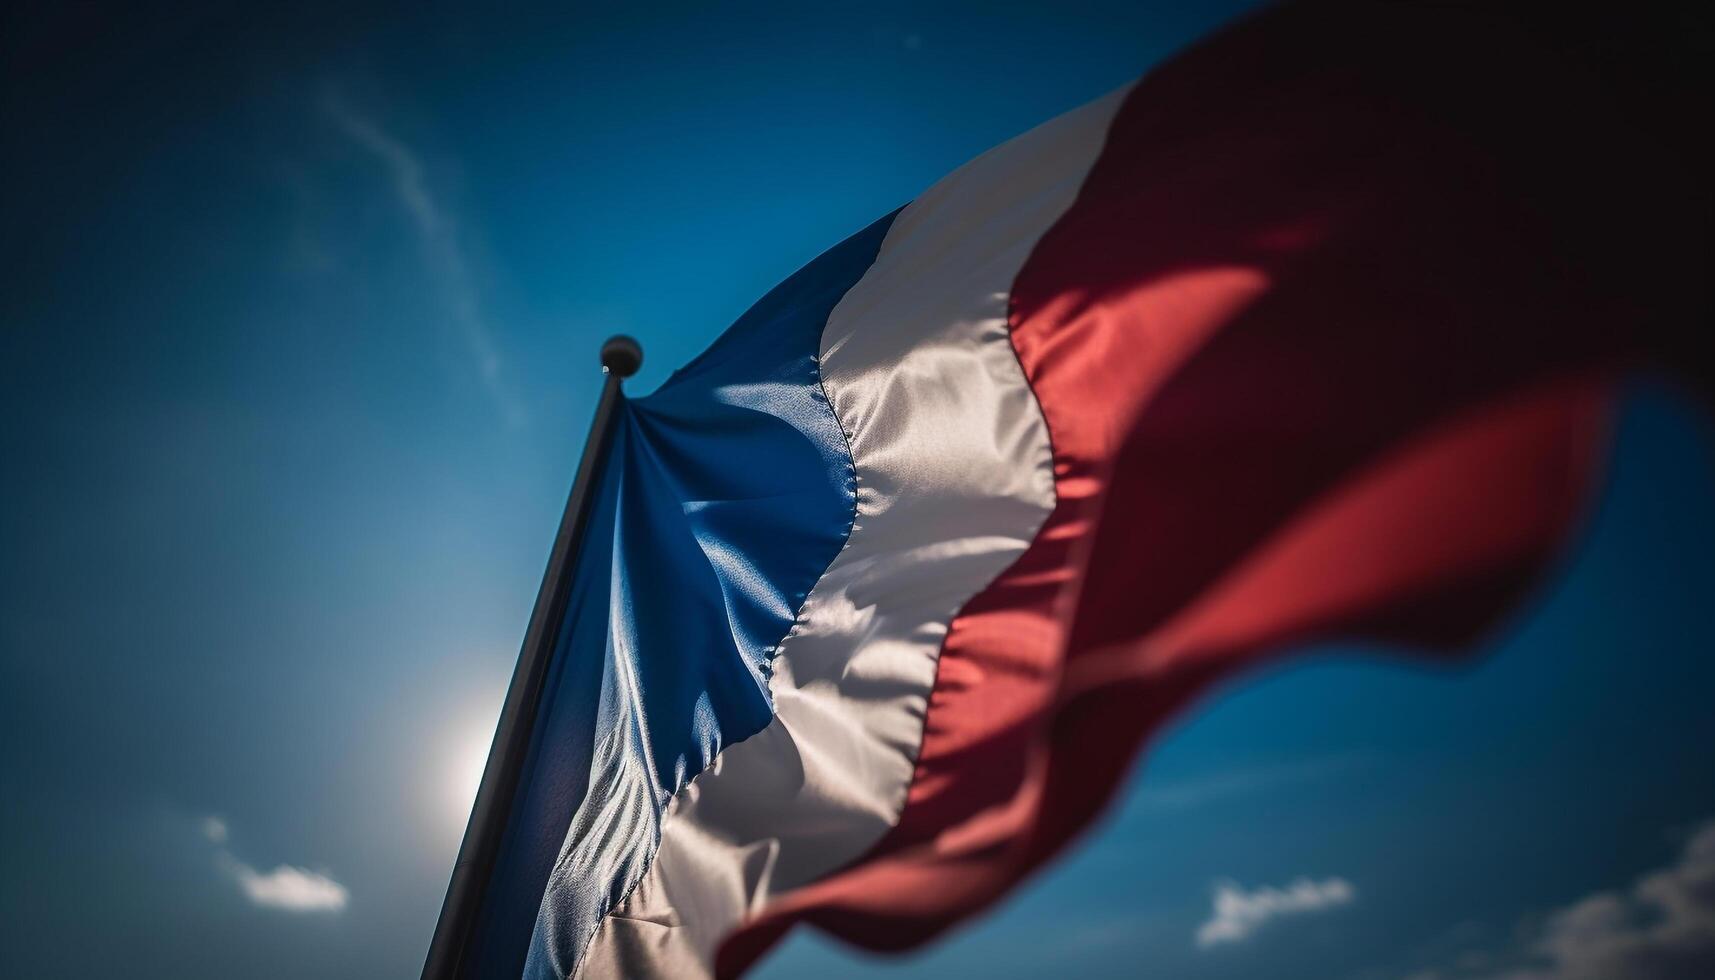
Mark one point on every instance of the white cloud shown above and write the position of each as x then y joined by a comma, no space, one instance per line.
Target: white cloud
1662,928
1238,913
438,235
214,828
290,888
287,887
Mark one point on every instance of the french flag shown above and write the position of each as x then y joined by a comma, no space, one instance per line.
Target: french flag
1299,338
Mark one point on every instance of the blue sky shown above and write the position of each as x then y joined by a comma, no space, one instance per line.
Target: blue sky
297,352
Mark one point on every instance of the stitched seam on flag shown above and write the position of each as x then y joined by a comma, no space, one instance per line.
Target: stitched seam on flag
1054,492
819,393
1053,483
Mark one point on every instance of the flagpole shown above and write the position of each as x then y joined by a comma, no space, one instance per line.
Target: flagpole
621,356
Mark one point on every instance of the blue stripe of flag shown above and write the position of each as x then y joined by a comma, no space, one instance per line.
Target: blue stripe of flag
725,496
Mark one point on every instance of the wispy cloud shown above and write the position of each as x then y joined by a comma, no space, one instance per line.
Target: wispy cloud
287,887
1192,793
438,235
1662,928
1238,913
214,828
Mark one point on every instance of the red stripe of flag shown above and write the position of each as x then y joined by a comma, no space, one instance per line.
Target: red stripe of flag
1323,348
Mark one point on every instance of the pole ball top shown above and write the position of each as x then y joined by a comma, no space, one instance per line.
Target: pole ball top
621,356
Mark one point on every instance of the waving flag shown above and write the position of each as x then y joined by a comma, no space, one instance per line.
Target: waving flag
879,597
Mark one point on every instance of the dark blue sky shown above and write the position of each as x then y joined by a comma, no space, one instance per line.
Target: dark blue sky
296,358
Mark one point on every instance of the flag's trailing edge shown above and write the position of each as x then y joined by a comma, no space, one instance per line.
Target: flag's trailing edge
881,595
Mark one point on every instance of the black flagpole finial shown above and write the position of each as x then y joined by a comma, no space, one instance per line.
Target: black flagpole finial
621,356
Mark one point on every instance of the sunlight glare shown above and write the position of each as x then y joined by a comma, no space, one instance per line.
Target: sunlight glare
466,774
